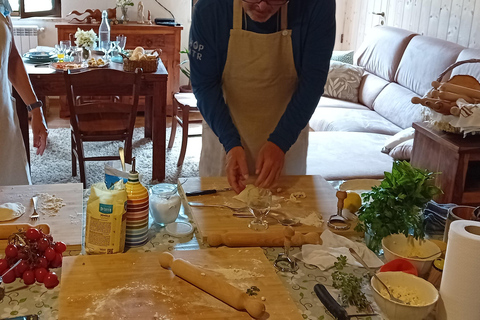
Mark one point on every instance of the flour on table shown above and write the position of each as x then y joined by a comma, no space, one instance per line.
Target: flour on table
237,274
50,204
312,220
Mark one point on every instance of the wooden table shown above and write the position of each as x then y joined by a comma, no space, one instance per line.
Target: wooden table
456,158
320,201
166,38
65,225
48,82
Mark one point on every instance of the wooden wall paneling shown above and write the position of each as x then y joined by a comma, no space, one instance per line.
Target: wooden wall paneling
454,22
466,21
444,19
339,19
424,17
399,5
407,14
362,22
474,41
348,24
434,18
370,16
415,15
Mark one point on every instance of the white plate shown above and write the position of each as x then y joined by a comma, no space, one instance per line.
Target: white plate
359,185
64,66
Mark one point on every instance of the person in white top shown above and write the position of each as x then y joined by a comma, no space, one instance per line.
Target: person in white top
14,169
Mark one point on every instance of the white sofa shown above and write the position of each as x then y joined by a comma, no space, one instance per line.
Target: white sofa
348,137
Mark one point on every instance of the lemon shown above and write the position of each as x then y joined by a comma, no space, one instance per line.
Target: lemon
352,202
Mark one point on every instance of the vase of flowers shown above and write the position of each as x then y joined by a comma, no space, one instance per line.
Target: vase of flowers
85,40
123,5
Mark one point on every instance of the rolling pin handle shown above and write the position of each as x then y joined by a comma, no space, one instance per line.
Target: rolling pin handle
166,260
215,240
254,308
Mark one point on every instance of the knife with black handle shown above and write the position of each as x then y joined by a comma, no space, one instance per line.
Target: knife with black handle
330,303
202,192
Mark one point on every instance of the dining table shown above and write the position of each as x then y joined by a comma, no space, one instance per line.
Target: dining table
21,300
47,81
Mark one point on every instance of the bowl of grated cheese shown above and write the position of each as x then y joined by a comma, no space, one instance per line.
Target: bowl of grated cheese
418,294
398,246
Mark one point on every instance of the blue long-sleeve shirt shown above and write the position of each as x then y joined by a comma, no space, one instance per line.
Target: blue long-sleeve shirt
313,35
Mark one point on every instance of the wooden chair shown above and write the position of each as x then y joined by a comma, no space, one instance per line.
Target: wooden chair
186,103
101,120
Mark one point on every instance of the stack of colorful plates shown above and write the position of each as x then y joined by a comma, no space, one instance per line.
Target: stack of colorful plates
39,57
137,222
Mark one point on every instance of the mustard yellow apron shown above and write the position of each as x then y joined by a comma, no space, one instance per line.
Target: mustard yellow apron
259,80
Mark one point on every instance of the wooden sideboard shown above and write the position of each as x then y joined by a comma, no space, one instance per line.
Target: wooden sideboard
166,38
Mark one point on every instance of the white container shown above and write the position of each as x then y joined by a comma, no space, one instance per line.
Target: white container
425,291
398,246
164,203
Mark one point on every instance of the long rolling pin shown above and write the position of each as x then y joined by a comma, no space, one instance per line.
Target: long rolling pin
244,239
218,288
8,229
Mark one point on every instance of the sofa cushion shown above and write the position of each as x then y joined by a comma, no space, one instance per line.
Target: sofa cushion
472,69
343,56
424,59
347,155
381,51
403,151
370,87
352,120
343,81
394,103
337,103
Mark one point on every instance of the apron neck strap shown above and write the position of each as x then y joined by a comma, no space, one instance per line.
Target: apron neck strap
238,15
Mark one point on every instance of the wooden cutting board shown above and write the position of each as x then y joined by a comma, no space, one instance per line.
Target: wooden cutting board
135,286
65,225
320,199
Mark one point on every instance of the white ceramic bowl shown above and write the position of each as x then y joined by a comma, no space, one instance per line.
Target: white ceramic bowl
398,246
425,291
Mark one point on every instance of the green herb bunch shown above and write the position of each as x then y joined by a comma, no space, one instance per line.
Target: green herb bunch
349,285
396,205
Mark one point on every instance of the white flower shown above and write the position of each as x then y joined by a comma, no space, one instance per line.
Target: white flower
85,39
124,3
15,310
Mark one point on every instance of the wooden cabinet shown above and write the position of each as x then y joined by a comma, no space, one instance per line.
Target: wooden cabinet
166,38
457,159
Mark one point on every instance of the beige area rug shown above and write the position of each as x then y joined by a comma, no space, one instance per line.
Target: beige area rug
55,166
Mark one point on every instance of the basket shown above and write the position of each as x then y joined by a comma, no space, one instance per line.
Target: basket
148,65
441,122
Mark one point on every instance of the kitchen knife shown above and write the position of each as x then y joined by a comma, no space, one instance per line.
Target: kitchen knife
332,305
208,191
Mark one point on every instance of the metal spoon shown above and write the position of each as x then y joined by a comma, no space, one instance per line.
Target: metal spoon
121,152
372,274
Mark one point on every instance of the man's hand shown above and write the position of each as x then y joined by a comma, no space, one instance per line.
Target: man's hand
269,165
39,129
237,169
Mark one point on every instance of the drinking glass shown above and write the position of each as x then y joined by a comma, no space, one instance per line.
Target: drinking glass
122,41
259,202
60,53
104,46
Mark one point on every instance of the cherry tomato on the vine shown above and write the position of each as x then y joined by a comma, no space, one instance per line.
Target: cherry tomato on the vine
50,254
60,247
51,280
29,277
11,251
32,234
43,244
40,274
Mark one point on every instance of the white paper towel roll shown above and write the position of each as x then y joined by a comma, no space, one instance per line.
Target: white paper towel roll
461,279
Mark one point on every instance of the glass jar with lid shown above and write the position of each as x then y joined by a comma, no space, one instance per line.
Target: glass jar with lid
165,203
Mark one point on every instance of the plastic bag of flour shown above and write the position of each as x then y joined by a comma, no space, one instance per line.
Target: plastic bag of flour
114,172
106,219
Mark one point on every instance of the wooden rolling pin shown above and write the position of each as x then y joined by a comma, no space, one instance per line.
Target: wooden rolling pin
244,239
6,230
218,288
454,88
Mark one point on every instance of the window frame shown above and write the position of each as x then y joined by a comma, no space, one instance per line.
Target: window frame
55,12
